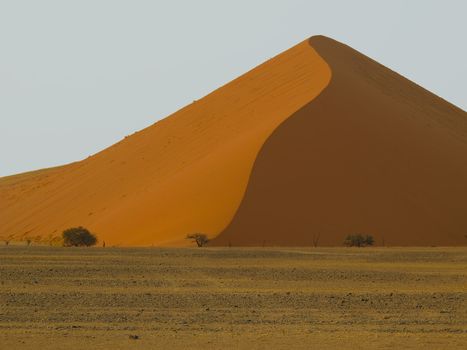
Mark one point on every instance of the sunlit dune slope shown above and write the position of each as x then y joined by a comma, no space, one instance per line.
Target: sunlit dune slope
373,154
186,173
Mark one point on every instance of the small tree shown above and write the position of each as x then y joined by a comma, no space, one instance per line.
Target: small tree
200,238
359,240
78,237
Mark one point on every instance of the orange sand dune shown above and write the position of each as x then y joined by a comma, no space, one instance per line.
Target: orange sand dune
373,154
320,141
184,174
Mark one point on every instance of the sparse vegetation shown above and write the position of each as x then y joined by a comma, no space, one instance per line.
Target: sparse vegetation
78,237
359,240
200,238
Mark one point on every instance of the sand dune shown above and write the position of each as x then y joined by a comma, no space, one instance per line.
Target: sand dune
319,140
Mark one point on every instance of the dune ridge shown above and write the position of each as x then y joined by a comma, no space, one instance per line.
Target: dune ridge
184,174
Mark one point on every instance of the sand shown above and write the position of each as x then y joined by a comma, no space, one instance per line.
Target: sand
238,298
318,141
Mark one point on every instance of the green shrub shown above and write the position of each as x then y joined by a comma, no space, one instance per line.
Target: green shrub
78,237
359,241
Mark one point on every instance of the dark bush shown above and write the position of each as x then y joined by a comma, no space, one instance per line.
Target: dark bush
359,241
369,240
78,237
200,238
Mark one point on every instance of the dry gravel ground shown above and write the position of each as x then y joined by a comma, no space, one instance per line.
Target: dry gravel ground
229,298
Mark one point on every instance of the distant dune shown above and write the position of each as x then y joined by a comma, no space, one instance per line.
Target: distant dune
319,141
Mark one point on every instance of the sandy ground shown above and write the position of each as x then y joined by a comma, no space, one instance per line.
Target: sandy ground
232,298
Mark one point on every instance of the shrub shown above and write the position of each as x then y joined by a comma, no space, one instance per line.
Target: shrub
78,237
359,240
200,238
369,240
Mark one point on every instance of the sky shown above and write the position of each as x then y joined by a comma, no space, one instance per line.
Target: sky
78,76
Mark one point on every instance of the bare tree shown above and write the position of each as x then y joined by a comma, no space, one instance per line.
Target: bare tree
316,239
8,239
200,239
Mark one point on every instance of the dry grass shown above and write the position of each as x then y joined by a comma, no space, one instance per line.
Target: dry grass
229,298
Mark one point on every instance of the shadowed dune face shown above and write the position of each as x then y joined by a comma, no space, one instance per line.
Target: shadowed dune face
187,173
373,154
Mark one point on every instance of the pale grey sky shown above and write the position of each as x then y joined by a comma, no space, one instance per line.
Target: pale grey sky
78,75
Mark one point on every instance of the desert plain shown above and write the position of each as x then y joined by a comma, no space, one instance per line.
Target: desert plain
233,298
